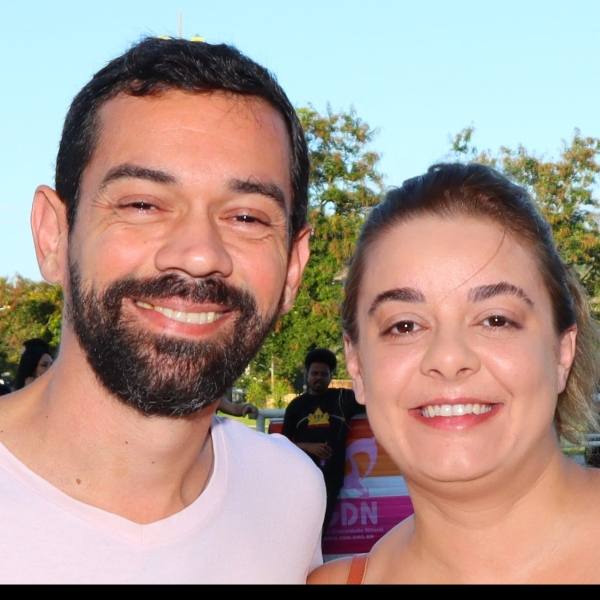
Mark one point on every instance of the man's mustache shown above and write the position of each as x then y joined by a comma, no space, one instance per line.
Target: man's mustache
208,290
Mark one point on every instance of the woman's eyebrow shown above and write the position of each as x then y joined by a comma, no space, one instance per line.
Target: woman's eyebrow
405,294
483,292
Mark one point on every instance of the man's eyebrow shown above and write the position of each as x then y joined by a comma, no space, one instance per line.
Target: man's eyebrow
251,186
503,288
405,294
129,171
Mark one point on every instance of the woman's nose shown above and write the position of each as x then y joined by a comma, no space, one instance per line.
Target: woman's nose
450,355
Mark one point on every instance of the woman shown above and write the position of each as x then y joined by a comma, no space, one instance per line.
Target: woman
35,361
472,348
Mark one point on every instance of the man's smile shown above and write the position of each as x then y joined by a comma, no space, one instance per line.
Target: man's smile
196,318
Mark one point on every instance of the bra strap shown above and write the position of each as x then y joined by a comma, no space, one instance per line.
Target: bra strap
358,567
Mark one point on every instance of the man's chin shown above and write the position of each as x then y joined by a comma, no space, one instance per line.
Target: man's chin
161,374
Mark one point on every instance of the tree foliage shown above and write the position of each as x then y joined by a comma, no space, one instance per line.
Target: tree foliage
28,309
565,191
344,183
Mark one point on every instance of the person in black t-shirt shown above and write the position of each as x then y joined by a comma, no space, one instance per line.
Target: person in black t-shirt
317,422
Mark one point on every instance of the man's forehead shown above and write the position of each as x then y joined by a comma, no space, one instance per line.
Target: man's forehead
133,121
217,104
317,366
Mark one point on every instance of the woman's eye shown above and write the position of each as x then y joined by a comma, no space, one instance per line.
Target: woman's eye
404,328
498,321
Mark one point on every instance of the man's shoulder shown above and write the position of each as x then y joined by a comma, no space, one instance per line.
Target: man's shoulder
341,394
299,400
300,404
346,400
261,446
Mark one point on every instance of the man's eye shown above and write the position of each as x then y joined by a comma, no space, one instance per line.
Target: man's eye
141,205
248,219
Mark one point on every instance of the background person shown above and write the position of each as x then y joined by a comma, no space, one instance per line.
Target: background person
317,422
238,410
35,361
30,343
473,349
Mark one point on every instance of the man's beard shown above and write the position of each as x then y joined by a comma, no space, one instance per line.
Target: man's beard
156,373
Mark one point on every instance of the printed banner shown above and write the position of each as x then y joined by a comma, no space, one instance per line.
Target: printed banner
358,524
374,498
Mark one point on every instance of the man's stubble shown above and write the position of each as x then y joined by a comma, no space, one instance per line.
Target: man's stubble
160,374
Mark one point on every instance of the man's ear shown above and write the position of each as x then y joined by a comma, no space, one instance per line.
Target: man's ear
298,259
355,370
566,354
50,233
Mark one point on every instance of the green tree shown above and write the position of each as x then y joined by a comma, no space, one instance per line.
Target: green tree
565,190
28,309
344,183
260,393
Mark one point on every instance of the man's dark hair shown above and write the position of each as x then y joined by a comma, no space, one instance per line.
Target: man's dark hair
154,66
321,355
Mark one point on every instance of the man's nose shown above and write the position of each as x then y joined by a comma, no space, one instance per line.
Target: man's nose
194,246
450,354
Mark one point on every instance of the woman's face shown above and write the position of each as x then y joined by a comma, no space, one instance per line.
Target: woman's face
457,359
43,365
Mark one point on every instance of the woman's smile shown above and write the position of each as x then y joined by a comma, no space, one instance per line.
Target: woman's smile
457,359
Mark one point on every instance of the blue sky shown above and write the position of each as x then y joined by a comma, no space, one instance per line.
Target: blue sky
522,72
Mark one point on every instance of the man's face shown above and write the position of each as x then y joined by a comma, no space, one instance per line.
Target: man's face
178,260
319,378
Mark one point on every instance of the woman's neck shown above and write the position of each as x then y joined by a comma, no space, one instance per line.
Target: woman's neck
482,532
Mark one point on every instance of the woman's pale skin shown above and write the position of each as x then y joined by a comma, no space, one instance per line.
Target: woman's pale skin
454,318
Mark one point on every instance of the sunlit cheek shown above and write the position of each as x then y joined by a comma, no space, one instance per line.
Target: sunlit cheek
108,257
262,276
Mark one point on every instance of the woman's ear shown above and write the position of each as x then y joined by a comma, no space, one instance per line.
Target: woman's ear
354,368
50,233
566,354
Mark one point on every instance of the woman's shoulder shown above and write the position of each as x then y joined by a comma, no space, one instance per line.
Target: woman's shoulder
335,571
584,490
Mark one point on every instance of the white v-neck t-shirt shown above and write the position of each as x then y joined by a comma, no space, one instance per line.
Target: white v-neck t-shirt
257,521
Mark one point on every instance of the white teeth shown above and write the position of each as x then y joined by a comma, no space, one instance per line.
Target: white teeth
457,410
454,410
446,410
196,318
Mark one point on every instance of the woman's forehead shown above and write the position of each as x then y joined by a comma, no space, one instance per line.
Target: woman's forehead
441,255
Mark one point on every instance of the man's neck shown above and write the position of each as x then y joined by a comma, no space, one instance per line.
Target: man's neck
70,431
323,393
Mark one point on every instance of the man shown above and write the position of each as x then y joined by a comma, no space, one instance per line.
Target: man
177,230
317,422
